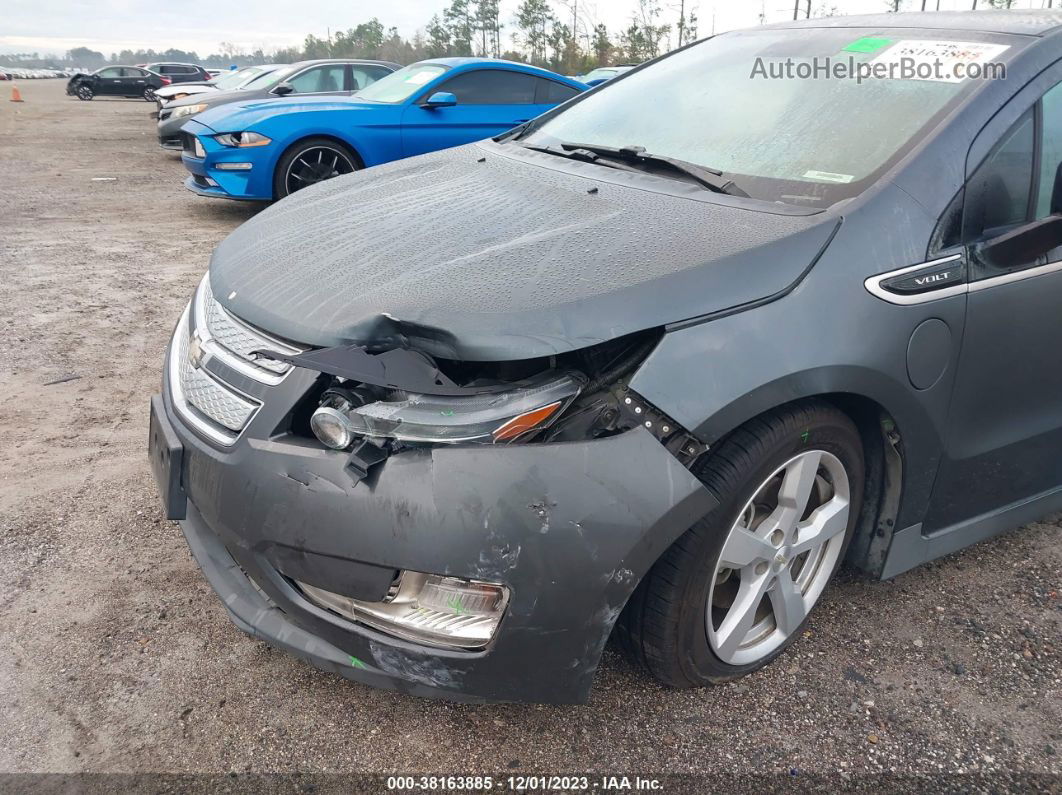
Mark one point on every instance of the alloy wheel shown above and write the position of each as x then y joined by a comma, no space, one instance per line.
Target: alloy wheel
316,164
149,94
84,93
777,558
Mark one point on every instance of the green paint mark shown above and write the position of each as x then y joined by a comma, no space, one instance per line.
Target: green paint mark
356,663
888,425
804,436
447,413
455,604
867,44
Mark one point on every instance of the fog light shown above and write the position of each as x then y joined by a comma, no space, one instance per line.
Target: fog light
232,166
426,608
332,427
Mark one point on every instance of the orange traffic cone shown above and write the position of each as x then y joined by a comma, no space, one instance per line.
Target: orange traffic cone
16,95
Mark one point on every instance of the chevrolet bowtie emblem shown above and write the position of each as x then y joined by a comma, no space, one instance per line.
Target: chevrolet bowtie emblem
195,352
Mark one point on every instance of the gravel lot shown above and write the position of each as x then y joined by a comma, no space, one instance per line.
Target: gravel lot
115,655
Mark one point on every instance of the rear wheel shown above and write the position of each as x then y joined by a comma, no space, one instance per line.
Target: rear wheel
149,94
311,161
84,93
733,592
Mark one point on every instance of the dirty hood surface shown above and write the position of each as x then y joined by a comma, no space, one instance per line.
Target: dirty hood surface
478,255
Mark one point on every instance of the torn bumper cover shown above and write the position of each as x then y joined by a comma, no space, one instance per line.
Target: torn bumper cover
568,528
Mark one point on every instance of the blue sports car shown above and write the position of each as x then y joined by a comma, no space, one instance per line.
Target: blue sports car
266,149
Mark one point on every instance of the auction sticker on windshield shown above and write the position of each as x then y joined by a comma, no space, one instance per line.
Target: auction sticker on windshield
942,61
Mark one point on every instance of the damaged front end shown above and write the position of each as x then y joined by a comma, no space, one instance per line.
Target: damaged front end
378,404
468,530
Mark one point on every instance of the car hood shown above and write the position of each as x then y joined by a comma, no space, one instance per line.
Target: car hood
490,252
184,88
238,115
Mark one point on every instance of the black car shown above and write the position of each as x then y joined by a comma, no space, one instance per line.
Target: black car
333,76
118,81
649,366
180,72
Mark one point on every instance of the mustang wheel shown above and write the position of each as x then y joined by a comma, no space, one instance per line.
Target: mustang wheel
312,161
737,588
84,93
149,94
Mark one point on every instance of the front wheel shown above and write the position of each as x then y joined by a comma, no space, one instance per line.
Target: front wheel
736,589
311,161
84,93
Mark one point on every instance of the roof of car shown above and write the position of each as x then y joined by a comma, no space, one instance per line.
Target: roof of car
346,60
172,63
1028,23
454,62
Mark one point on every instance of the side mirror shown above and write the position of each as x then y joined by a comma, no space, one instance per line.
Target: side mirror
440,99
283,89
1025,244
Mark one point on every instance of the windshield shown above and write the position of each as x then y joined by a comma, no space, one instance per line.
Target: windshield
270,78
399,86
810,141
231,80
599,73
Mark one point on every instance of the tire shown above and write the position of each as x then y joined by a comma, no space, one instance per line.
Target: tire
284,184
149,94
670,627
84,93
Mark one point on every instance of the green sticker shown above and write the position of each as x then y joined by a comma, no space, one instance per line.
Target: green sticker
867,44
356,663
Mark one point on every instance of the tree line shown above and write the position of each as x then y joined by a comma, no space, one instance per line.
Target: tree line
560,35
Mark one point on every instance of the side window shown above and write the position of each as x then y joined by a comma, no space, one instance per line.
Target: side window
550,92
111,71
364,75
1049,194
319,79
999,192
491,87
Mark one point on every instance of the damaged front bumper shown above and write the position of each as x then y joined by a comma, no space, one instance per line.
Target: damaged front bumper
569,528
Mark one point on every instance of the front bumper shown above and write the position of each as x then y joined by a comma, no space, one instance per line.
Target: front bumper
253,184
569,528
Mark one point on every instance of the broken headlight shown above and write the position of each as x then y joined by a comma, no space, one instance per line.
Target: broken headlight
345,415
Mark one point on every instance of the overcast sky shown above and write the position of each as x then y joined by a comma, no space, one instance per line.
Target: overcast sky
54,26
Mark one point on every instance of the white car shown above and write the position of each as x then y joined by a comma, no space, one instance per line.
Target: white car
226,81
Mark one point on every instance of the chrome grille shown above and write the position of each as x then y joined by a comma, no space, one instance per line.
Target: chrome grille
206,404
234,342
219,404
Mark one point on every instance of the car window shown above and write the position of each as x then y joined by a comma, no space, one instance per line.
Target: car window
491,87
999,190
366,75
1049,195
550,92
401,85
130,71
110,71
319,79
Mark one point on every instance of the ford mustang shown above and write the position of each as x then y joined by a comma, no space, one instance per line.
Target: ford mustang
267,149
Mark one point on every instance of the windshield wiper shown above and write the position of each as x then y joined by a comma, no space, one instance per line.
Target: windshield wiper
582,155
710,178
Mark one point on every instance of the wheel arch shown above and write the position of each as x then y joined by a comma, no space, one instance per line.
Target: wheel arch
306,136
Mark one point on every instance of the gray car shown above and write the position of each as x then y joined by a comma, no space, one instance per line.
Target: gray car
337,76
649,367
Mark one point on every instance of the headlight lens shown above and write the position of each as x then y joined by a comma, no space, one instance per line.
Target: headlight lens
483,419
243,139
188,110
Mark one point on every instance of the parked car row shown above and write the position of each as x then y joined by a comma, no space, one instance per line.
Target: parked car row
268,131
19,73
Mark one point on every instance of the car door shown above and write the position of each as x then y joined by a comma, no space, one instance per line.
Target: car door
1005,432
362,75
108,81
134,81
489,102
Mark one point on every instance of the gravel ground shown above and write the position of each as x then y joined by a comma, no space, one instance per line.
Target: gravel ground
115,655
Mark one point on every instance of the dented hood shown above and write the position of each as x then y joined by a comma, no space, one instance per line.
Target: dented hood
493,252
